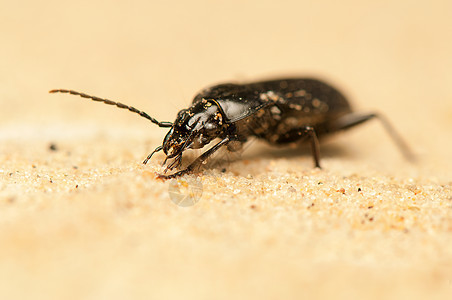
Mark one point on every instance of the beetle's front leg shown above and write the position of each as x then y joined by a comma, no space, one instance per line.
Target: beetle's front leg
197,162
175,163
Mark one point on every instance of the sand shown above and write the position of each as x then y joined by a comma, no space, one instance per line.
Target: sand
82,218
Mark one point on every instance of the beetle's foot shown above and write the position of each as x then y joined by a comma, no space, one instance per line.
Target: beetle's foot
189,169
170,168
174,175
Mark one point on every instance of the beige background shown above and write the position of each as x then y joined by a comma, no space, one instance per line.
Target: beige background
89,221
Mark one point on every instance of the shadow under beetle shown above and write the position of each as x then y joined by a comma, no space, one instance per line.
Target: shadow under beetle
281,111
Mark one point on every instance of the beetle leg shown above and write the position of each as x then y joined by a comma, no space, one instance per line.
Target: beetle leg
175,163
354,119
197,162
300,134
315,148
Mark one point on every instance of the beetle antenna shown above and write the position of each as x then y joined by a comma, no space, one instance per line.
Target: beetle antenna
118,104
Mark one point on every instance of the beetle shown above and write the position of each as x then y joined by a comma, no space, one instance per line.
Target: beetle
280,111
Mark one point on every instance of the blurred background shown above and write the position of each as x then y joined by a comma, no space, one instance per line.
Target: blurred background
393,55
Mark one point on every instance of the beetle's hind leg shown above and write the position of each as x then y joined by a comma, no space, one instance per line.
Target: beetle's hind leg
353,119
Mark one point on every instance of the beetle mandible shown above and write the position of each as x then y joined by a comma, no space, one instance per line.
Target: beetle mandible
280,111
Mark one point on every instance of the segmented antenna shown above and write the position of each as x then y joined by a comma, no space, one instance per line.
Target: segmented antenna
118,104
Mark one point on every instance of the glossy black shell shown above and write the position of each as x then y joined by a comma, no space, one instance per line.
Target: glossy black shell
274,109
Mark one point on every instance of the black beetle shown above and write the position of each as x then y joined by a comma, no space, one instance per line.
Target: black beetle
281,111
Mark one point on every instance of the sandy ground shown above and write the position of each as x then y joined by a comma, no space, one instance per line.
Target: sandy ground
87,220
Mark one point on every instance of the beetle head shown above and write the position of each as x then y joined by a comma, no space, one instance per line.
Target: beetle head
194,128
